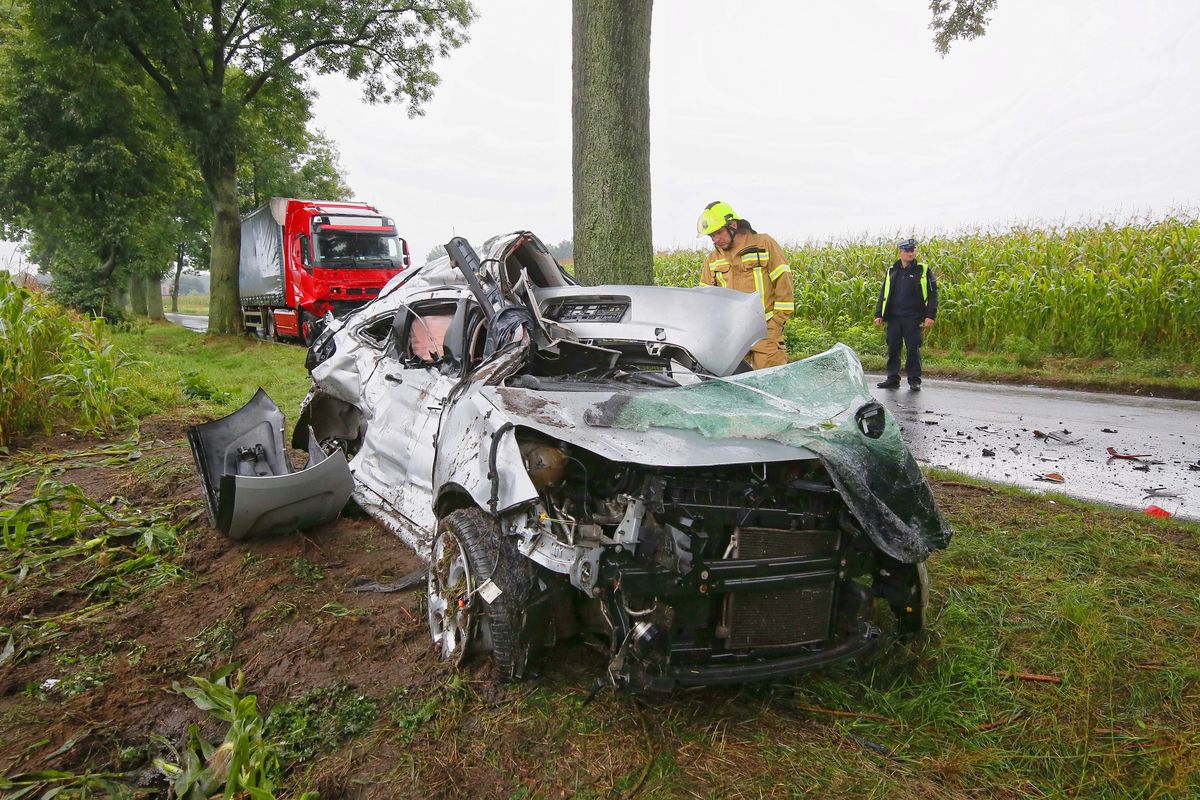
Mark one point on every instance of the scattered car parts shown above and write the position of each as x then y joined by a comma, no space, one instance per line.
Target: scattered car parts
251,488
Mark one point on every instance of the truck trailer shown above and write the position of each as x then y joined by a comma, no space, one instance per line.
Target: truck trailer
303,258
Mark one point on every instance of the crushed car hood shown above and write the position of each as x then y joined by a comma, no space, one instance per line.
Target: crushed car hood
568,415
787,412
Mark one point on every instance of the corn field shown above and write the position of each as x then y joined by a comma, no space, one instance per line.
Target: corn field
55,366
1094,291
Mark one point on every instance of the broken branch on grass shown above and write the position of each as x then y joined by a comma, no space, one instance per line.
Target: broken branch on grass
1032,676
836,713
1000,723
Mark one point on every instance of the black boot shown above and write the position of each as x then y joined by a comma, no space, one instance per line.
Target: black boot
893,382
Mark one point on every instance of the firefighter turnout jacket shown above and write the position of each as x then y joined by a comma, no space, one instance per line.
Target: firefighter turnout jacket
758,265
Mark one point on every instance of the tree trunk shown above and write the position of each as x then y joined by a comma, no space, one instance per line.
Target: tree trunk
610,162
224,306
137,294
116,296
175,284
154,301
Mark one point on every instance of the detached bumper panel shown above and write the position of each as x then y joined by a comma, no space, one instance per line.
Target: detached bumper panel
250,487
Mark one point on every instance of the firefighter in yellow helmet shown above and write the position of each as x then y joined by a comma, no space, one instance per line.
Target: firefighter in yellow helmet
748,261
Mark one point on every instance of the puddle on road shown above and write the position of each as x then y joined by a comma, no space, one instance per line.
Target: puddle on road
991,432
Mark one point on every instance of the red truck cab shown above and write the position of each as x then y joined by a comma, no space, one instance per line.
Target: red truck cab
303,258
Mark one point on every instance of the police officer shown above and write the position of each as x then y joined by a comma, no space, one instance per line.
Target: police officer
908,303
748,261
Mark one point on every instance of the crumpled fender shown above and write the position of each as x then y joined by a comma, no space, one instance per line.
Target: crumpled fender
478,452
250,486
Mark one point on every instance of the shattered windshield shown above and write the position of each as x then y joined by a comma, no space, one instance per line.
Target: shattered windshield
811,404
358,249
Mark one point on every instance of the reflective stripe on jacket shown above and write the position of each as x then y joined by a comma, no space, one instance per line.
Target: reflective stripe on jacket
757,266
929,291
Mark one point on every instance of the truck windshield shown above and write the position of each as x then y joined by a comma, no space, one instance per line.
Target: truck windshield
358,249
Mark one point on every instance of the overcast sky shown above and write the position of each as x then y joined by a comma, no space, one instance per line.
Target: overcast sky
815,120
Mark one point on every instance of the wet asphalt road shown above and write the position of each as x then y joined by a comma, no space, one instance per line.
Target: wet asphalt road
190,321
951,425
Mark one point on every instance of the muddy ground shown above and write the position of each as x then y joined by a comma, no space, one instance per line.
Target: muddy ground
280,608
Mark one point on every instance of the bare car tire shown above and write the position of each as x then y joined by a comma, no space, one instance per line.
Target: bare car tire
467,553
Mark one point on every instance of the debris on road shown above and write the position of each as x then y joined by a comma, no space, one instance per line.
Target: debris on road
989,453
1061,437
1157,511
1108,430
1050,477
1132,456
1160,491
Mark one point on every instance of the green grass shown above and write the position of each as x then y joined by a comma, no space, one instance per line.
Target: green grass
319,719
196,304
210,375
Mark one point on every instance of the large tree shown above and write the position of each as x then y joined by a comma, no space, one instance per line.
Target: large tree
610,107
214,59
610,148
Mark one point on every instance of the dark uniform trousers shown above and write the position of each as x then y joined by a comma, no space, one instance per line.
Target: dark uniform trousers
910,332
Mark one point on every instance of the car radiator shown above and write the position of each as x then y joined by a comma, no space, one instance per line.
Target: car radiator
780,618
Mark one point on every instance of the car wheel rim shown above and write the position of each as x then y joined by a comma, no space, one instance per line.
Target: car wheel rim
450,588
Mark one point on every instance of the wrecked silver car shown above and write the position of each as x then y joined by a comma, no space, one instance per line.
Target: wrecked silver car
586,460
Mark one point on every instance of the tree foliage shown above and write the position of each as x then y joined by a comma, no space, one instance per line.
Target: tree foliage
958,19
87,165
215,61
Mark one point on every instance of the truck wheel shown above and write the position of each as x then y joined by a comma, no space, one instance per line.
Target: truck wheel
468,552
307,328
268,326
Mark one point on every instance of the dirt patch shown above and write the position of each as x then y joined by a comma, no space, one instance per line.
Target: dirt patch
281,608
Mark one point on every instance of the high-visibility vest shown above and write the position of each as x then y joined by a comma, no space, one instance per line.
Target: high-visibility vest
887,286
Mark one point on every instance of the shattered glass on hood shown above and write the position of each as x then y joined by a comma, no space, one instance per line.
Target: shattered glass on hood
811,404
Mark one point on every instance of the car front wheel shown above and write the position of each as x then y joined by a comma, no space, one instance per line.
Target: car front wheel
478,586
